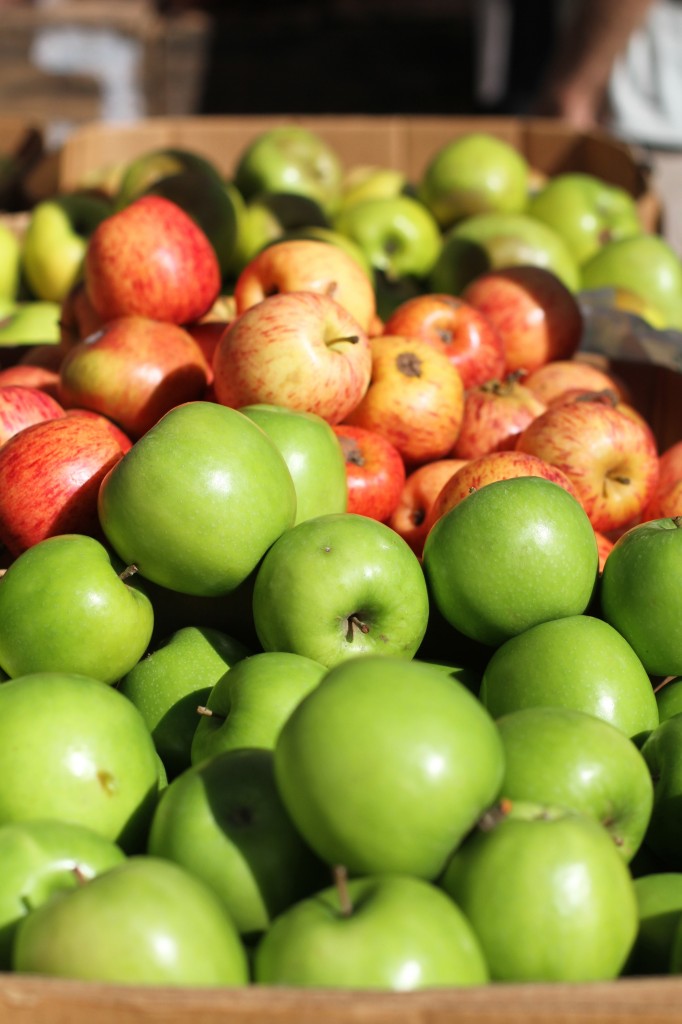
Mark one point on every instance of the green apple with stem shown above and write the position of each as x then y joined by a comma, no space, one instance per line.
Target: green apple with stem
223,820
646,265
293,159
40,858
56,240
575,661
198,500
248,705
492,241
474,173
398,234
337,586
85,756
547,893
391,932
177,674
162,925
313,454
515,553
374,766
10,263
640,593
565,757
659,903
65,606
586,211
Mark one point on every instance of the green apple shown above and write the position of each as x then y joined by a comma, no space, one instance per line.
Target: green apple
146,921
565,757
640,593
645,264
33,322
144,171
669,698
575,661
268,217
372,181
224,822
210,202
40,858
338,586
313,454
399,235
475,173
586,211
517,552
75,749
391,932
248,705
386,764
198,499
662,750
10,263
64,607
55,242
659,902
292,159
548,895
492,241
175,677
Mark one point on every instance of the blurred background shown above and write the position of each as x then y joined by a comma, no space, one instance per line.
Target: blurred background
610,63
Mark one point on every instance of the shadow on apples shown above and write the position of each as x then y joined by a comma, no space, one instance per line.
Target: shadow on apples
446,646
231,613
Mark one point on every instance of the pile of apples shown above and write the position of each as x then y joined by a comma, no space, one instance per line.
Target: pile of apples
341,642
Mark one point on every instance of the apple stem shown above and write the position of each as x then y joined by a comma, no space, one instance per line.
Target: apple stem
79,874
677,520
494,815
354,622
207,713
129,571
341,883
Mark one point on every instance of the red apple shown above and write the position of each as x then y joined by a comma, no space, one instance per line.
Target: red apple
494,415
554,379
422,487
302,350
609,455
309,265
50,475
486,469
375,471
461,331
119,436
537,316
28,376
207,334
21,407
415,398
151,259
133,370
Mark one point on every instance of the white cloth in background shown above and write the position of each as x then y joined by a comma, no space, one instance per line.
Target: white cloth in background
111,58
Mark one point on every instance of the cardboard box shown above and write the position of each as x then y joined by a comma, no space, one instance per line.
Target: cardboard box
657,390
